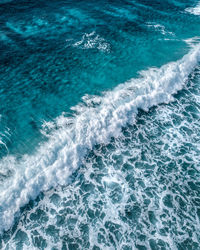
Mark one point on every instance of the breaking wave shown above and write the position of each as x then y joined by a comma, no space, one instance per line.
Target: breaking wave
95,121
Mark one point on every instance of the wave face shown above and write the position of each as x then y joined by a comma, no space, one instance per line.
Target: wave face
99,125
97,120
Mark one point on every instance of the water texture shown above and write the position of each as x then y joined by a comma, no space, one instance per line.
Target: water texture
99,125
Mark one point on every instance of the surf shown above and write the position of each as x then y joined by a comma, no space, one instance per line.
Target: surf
94,121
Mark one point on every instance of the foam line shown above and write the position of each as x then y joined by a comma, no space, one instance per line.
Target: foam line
194,10
96,120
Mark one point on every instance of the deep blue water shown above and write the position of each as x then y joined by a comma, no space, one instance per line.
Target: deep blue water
99,124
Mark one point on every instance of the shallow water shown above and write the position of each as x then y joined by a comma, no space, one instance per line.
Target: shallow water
87,162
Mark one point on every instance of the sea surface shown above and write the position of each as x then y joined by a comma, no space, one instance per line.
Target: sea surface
100,124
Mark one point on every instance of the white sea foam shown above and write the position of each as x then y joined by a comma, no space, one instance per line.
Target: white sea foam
192,42
194,10
91,41
96,120
160,28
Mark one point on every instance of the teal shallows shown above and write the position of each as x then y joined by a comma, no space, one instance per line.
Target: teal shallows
54,53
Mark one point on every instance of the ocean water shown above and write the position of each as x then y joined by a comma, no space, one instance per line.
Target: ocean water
100,124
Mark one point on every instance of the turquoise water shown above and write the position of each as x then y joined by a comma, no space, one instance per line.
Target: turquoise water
99,125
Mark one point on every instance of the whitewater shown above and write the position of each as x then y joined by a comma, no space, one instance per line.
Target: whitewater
94,121
194,10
